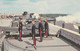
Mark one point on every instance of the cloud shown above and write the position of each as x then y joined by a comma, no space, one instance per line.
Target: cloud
75,18
40,6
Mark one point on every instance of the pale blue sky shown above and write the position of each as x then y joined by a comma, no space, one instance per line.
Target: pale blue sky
40,6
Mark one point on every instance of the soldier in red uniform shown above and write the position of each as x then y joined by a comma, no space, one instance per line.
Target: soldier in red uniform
40,30
20,29
46,28
33,33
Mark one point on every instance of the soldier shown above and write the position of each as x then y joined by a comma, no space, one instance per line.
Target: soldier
54,20
20,29
46,28
63,25
40,30
33,33
79,29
